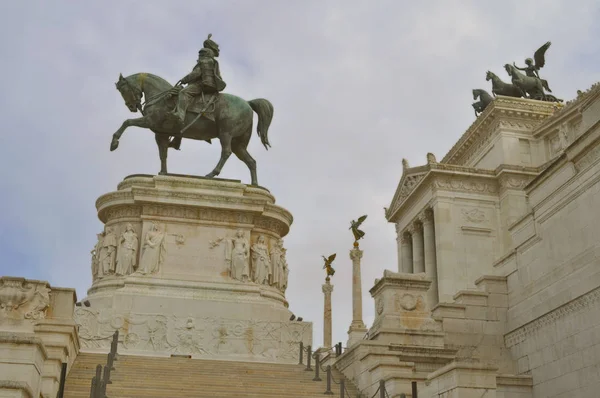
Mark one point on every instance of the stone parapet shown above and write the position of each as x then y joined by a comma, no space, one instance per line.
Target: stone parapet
37,335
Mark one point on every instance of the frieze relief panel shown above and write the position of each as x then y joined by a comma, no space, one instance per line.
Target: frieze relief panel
22,299
199,336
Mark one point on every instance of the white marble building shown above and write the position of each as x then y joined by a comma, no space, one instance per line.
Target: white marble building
505,229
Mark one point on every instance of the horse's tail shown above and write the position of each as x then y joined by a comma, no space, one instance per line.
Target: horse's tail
264,109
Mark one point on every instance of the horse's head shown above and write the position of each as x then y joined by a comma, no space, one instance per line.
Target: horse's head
488,76
130,93
509,69
476,93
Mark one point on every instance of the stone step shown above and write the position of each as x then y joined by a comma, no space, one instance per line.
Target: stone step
149,377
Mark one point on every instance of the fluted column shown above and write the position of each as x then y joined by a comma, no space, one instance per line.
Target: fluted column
327,289
416,232
357,327
407,254
430,256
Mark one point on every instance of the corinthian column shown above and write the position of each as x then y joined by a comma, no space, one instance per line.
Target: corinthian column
407,255
357,327
430,256
416,231
327,289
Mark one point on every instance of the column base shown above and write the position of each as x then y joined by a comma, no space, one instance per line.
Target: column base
356,334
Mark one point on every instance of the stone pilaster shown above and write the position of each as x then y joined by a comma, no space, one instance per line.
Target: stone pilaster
327,289
416,231
357,327
430,256
407,257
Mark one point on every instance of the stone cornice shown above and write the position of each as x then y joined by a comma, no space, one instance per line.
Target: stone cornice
570,108
444,177
583,151
523,332
526,111
413,281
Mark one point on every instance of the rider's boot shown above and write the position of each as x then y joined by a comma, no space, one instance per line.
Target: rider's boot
175,143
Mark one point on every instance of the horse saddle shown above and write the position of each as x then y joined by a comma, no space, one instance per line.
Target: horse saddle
204,105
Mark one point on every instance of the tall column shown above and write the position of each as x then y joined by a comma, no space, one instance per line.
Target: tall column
327,289
430,256
416,231
357,327
407,254
399,246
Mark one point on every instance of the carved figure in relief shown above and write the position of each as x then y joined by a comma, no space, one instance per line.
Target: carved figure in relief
108,252
127,253
277,263
261,263
237,255
284,272
21,299
153,251
96,269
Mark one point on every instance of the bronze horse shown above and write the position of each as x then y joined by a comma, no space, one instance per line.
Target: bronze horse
232,123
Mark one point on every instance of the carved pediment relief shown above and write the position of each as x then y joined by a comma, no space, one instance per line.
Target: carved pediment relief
407,185
22,299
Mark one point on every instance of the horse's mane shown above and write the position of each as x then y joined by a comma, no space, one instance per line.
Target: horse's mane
152,76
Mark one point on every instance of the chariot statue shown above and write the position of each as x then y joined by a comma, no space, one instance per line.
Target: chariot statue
198,111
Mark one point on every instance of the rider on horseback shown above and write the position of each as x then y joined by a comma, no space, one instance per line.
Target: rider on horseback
530,70
205,78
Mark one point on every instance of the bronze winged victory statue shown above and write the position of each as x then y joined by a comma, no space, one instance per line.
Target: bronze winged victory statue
354,225
329,269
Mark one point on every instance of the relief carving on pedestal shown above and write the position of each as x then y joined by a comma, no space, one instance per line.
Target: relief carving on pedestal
153,251
237,255
407,302
127,252
108,253
20,299
203,336
379,305
261,262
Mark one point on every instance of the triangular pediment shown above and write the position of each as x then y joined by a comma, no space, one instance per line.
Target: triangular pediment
409,181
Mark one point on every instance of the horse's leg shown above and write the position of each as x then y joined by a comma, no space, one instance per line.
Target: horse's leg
162,140
239,147
225,139
139,122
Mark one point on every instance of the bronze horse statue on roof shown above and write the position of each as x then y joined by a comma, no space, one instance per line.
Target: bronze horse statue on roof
232,124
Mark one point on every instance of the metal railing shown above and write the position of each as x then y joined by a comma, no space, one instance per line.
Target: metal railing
330,380
102,378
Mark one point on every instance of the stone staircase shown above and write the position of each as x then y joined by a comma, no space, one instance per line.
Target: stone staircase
147,377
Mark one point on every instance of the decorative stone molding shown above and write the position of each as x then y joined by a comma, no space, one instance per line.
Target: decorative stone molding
589,158
466,185
356,254
515,182
521,334
474,216
23,299
431,158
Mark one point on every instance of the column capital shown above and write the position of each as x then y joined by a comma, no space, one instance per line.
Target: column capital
327,288
356,254
415,227
405,238
426,216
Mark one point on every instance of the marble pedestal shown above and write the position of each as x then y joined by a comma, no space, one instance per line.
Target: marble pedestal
207,278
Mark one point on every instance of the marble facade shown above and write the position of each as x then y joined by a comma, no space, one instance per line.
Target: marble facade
498,279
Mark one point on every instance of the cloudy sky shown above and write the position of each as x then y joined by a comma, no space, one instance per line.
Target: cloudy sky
356,87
